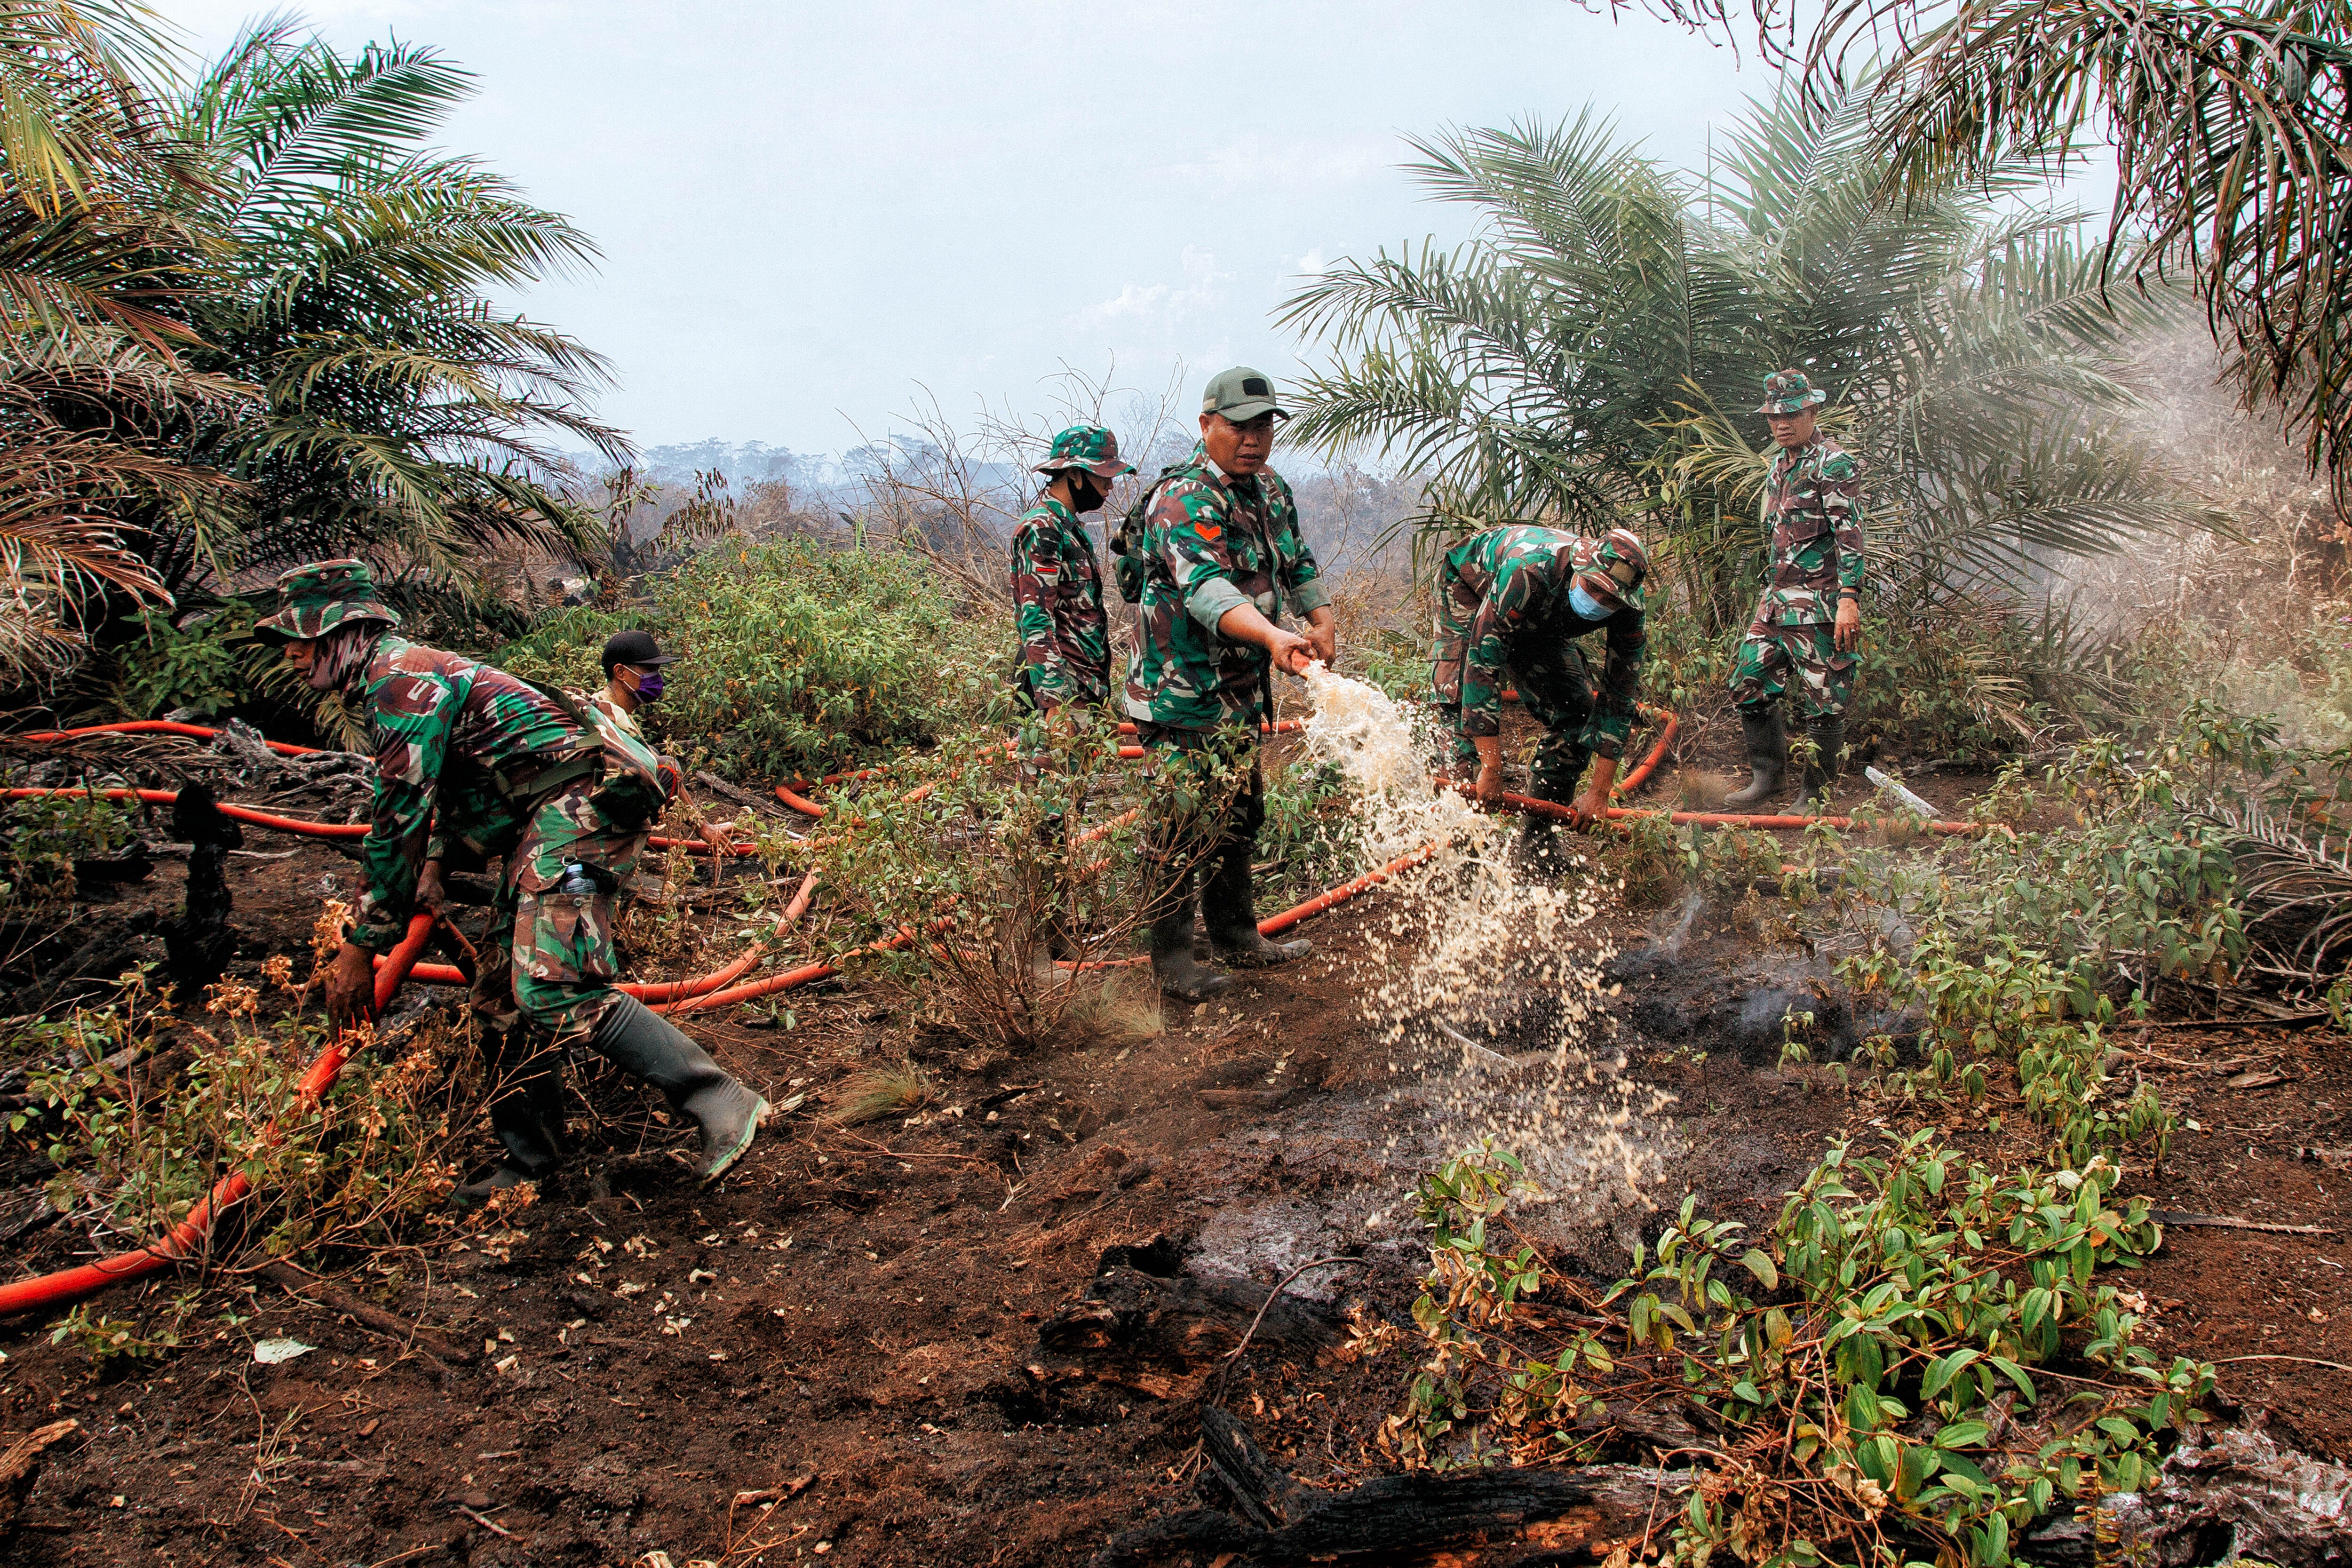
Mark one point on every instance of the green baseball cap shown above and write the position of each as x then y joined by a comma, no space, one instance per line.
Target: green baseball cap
1786,391
316,598
1088,447
1241,395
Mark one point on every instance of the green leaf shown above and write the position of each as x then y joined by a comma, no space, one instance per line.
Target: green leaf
1961,1435
2016,1374
1760,1265
1941,1372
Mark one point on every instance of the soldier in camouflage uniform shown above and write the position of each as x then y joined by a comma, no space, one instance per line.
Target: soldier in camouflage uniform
1220,551
1057,597
1511,602
1063,676
1807,626
472,763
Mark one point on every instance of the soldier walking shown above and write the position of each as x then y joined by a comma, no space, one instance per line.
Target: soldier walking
1511,604
1219,551
473,763
633,664
1808,626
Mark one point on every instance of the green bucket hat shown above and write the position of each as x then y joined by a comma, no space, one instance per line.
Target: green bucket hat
1612,568
1786,391
1241,394
314,599
1088,447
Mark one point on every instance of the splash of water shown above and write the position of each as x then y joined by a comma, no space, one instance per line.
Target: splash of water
1487,988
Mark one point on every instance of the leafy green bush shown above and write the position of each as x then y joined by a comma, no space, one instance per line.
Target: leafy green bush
1311,839
42,837
800,659
1874,1360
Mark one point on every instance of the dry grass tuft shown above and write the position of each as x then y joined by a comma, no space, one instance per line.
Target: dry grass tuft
898,1091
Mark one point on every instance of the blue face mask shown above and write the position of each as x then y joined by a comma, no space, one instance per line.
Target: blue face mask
649,686
1585,604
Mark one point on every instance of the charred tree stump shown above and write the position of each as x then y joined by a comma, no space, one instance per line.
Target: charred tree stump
198,945
1501,1517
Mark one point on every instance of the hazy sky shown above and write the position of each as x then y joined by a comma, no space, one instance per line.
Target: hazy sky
808,210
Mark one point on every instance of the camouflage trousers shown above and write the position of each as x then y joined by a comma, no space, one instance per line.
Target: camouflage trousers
1776,660
1207,797
548,960
1556,688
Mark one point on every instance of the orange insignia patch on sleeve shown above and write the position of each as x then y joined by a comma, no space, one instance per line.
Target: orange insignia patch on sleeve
1210,533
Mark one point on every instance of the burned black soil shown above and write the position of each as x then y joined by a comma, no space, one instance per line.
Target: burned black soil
985,1332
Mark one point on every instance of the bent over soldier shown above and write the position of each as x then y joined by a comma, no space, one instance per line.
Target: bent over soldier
1807,632
472,763
1220,554
1511,604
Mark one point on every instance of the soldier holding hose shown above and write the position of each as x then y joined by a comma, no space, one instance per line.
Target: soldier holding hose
1217,552
472,761
1511,604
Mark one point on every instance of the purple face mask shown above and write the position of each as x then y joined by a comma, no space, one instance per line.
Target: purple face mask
649,686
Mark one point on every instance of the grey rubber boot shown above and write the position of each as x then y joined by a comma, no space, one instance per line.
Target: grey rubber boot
1827,732
1229,908
636,1039
1180,975
1767,750
526,1112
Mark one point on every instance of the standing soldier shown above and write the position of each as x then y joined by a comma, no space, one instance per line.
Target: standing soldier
470,759
1220,549
1057,595
1808,623
1064,673
1511,602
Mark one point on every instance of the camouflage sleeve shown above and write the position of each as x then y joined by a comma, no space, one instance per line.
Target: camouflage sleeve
1302,583
414,713
1509,600
1842,500
1620,686
1036,588
1188,533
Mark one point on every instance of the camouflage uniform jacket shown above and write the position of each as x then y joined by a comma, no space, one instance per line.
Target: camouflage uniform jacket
1213,542
1519,576
462,738
1813,527
1058,603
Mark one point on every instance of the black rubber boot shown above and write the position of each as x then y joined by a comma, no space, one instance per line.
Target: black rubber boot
636,1039
526,1113
1827,732
1535,852
1229,908
1181,976
1767,750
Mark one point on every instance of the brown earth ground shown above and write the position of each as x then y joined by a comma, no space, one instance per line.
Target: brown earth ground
987,1337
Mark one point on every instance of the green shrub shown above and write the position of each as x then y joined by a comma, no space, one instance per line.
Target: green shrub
42,837
800,659
1874,1361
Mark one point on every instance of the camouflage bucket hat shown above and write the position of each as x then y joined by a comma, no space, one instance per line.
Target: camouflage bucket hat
313,600
1088,447
1786,391
1612,568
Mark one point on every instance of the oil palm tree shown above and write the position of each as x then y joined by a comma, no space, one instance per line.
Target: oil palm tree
346,278
1588,356
2229,123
